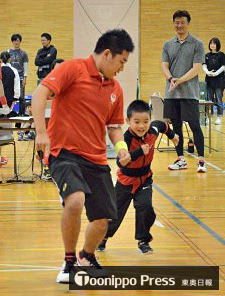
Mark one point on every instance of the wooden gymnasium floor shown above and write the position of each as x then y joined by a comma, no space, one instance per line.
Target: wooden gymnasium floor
190,225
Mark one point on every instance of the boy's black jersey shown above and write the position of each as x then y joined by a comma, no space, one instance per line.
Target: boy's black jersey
139,169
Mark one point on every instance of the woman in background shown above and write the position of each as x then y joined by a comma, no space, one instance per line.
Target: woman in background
214,67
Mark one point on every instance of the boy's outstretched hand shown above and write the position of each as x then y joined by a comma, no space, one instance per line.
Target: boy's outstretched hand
175,140
124,157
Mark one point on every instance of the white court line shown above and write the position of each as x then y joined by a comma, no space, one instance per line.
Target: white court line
29,269
208,163
6,189
31,266
157,222
30,201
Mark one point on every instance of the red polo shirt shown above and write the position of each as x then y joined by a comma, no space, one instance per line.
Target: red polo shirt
83,106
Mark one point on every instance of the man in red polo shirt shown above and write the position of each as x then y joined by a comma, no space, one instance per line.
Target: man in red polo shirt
87,99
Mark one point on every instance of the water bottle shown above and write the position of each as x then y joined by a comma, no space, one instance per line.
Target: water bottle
190,146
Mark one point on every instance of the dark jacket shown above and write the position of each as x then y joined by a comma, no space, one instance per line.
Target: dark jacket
44,58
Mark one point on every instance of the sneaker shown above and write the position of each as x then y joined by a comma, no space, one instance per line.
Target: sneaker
179,164
144,248
46,176
218,121
101,247
30,136
201,167
91,266
26,138
63,275
3,160
20,137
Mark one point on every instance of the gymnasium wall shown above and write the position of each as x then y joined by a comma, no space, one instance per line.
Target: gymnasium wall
31,18
94,17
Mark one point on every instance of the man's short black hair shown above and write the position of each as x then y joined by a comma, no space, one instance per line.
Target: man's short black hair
116,41
137,106
14,37
5,56
182,13
216,41
47,36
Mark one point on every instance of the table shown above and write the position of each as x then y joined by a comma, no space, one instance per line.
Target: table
25,119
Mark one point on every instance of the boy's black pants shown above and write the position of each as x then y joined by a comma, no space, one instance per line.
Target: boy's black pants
144,212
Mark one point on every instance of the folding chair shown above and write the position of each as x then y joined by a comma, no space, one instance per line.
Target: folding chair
157,105
6,138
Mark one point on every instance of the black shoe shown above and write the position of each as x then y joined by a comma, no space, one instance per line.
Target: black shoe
91,266
144,248
101,247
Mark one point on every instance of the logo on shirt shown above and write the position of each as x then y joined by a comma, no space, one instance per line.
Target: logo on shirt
113,98
145,187
52,78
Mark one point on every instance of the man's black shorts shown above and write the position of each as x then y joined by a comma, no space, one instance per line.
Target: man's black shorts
183,109
72,173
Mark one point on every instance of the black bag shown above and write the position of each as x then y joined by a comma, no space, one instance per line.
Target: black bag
190,147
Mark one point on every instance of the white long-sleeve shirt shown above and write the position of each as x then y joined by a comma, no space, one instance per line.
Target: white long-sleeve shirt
16,79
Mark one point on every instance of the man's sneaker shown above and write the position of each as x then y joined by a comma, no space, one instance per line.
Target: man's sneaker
91,266
20,137
201,167
3,160
101,247
26,138
30,136
63,275
144,248
46,176
179,164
